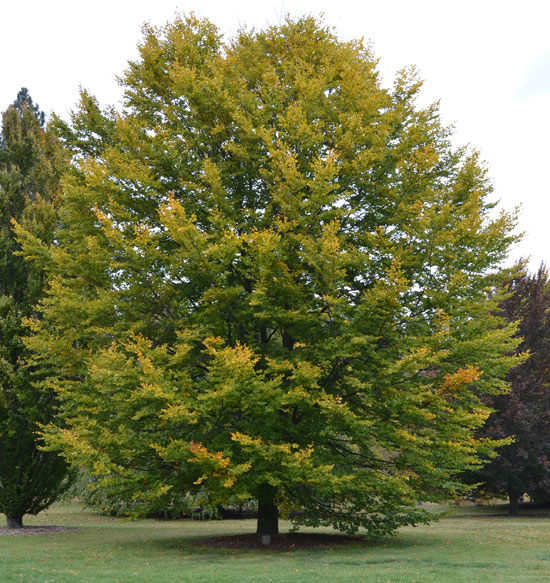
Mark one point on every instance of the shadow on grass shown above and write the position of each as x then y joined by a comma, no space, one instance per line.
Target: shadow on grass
221,544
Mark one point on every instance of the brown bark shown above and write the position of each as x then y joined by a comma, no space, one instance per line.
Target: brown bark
14,521
288,340
268,515
513,497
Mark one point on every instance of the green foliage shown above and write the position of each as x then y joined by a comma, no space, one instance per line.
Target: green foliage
521,417
89,492
30,163
272,275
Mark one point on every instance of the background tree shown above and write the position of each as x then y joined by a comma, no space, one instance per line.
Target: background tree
524,413
31,159
272,281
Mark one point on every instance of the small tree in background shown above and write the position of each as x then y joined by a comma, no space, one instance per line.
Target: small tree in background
31,160
524,414
272,282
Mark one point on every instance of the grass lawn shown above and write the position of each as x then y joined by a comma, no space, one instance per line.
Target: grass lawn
468,545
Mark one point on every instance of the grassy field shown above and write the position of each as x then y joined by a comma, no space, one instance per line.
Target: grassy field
468,545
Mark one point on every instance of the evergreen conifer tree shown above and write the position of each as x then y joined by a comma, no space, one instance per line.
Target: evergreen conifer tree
31,160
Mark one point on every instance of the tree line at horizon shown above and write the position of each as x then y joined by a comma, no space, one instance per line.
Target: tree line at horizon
264,278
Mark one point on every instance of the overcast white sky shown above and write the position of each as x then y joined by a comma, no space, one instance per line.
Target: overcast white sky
487,61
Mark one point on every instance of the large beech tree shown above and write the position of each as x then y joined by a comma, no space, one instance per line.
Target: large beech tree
272,281
31,160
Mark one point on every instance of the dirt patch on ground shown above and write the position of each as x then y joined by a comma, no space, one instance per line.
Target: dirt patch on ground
32,530
282,542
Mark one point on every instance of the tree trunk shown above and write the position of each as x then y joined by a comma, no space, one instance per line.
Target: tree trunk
14,521
514,503
268,515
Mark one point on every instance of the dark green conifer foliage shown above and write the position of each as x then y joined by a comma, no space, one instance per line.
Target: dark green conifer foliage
31,159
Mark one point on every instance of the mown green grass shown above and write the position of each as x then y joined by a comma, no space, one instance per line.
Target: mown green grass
465,546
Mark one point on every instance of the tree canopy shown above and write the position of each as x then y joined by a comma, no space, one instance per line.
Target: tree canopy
523,415
273,279
31,161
